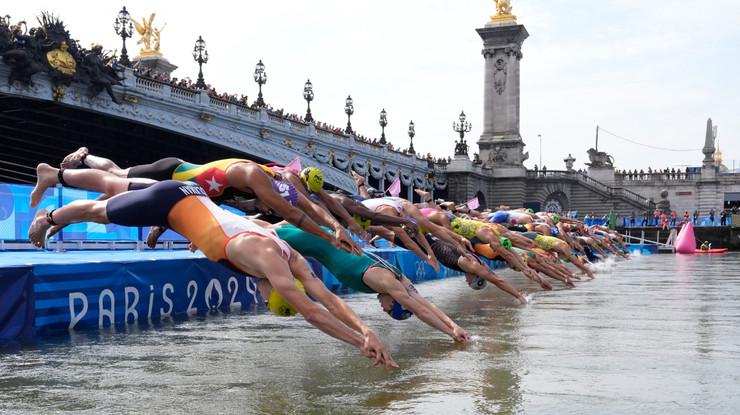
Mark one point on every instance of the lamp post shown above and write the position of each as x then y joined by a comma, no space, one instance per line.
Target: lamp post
308,96
260,76
383,122
200,55
124,28
540,137
412,133
462,127
349,109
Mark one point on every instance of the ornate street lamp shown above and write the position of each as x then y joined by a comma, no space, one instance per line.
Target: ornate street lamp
461,147
260,76
308,96
349,109
383,122
200,55
124,28
412,133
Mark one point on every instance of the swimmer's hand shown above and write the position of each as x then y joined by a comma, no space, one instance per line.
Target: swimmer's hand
460,335
375,349
192,248
410,226
343,241
432,261
532,275
357,229
154,233
466,245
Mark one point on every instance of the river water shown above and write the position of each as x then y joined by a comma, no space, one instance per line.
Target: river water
656,334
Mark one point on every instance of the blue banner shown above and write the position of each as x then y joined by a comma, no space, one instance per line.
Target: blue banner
92,295
16,302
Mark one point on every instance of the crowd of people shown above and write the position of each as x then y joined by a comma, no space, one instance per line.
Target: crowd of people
301,219
669,218
650,174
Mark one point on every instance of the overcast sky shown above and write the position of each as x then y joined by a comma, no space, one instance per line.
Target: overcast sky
651,71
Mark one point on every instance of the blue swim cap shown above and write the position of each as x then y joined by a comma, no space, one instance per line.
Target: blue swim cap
478,283
554,231
286,190
499,217
398,312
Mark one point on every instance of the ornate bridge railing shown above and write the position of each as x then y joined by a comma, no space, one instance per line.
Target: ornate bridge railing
594,184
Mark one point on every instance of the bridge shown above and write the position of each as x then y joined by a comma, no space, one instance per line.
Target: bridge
43,122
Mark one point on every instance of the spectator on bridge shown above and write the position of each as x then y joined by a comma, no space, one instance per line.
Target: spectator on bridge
633,218
656,216
686,216
734,210
645,217
673,218
723,218
535,170
696,216
664,221
711,216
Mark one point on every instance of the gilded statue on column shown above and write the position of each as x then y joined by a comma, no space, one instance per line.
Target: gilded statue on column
150,36
503,12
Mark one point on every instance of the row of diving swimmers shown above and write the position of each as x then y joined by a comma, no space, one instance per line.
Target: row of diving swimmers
172,193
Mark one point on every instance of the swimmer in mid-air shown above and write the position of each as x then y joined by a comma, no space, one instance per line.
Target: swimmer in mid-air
223,237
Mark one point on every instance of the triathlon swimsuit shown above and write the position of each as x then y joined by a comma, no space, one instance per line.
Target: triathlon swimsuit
445,253
546,242
346,267
186,208
374,204
211,176
465,227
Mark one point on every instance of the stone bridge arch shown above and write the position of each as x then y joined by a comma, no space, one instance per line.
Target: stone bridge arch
554,197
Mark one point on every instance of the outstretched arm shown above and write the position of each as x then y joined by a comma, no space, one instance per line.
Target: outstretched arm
279,275
262,186
399,293
457,332
339,211
322,216
338,308
356,208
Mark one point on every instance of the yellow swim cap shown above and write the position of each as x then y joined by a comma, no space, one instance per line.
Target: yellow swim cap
279,306
313,178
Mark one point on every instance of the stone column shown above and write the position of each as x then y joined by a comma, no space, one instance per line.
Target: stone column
500,145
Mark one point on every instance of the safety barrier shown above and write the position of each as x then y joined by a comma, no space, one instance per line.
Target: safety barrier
43,292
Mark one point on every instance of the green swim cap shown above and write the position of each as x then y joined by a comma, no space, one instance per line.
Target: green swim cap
530,210
555,219
313,178
505,242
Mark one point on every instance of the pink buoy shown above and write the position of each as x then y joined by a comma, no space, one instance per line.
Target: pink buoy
685,241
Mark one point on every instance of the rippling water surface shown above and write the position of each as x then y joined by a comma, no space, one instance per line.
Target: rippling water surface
656,334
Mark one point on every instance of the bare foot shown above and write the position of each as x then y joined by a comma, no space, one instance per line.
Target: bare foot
46,176
75,159
425,196
358,179
55,229
154,233
38,228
